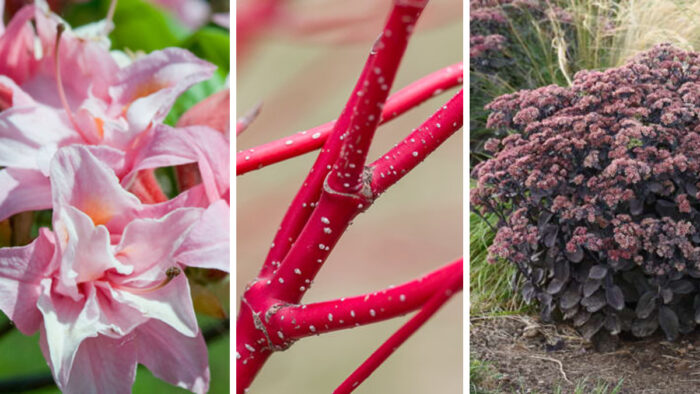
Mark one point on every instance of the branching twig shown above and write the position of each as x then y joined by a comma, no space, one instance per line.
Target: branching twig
406,155
387,348
293,322
306,141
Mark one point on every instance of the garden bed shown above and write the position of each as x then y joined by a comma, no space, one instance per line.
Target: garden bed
519,354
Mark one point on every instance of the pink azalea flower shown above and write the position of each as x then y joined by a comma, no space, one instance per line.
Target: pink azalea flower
207,245
105,287
96,103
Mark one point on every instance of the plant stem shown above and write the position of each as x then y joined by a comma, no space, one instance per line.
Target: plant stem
386,54
399,337
306,141
406,155
292,322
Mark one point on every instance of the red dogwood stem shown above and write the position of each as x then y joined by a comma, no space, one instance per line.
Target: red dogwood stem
292,322
387,51
399,337
306,141
410,152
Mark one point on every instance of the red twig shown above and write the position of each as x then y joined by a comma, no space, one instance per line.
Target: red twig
399,337
338,188
292,322
387,52
306,141
406,155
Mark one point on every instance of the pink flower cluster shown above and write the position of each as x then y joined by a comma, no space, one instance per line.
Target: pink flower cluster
603,174
81,130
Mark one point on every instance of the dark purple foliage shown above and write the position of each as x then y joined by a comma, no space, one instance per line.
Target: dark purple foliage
597,188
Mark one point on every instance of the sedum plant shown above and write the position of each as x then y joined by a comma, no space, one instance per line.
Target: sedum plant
596,191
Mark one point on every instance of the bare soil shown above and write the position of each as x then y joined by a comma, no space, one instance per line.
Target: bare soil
529,357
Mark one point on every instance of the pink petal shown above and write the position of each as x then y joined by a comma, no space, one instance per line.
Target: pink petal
205,146
26,130
148,245
207,244
101,365
177,359
86,253
23,190
21,270
67,324
170,304
80,180
147,88
18,62
87,67
213,112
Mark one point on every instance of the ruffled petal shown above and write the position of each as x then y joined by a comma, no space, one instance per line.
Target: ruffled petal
67,324
177,359
148,245
101,365
200,144
23,190
21,271
170,304
80,180
207,244
86,253
147,89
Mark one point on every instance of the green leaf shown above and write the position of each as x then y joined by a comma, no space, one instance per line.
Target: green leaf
139,25
212,44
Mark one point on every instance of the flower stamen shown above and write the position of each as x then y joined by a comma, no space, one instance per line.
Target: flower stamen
60,28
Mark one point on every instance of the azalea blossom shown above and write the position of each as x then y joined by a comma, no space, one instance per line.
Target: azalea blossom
106,283
97,103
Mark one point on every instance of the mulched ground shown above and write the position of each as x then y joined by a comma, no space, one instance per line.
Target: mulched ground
529,357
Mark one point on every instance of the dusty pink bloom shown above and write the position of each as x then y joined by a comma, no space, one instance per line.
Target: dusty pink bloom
616,154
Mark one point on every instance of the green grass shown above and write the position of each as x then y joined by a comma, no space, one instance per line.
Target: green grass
483,377
490,284
601,387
